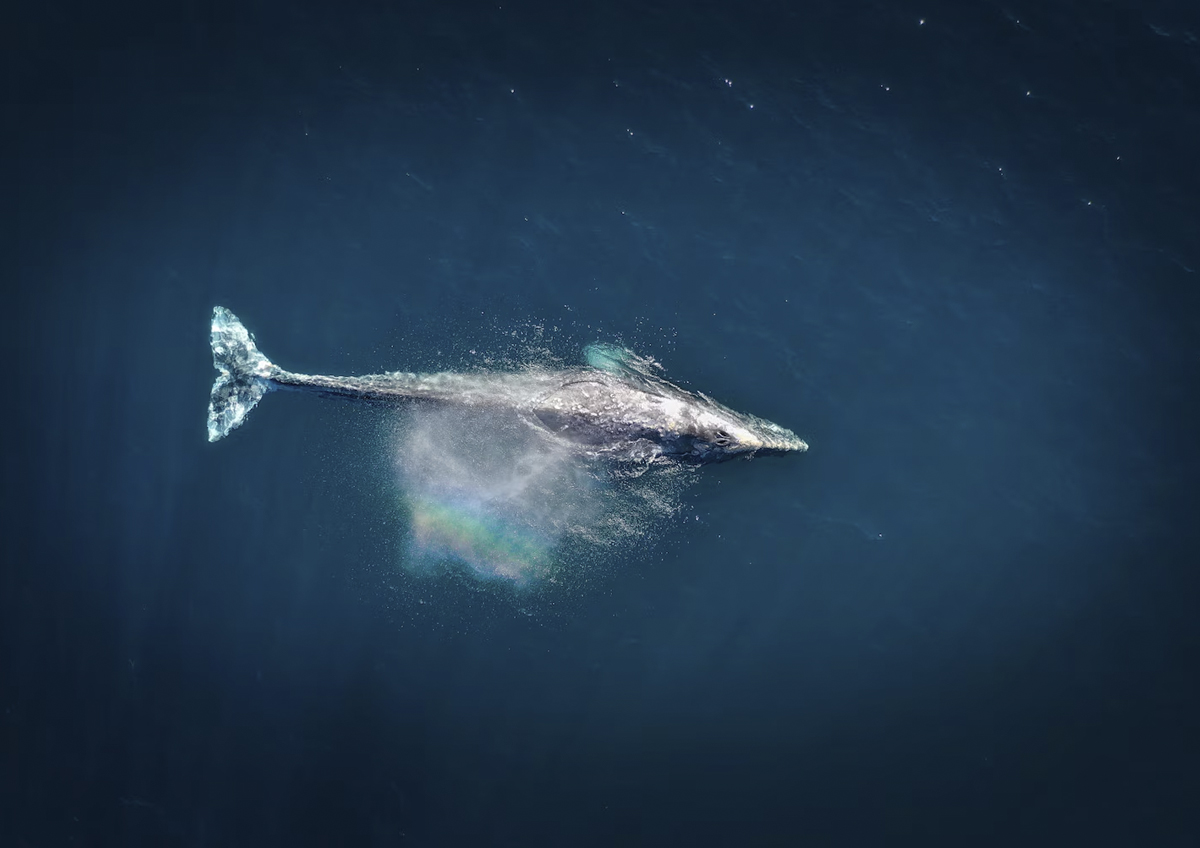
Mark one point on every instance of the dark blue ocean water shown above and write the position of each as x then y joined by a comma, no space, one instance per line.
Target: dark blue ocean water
953,246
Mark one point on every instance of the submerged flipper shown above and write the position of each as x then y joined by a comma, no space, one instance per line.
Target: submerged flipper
609,357
245,374
624,363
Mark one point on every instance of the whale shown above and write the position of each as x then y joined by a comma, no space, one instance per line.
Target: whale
616,406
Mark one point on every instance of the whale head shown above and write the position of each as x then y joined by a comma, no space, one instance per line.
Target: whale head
719,434
645,407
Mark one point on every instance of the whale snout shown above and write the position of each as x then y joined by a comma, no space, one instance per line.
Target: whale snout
765,437
786,442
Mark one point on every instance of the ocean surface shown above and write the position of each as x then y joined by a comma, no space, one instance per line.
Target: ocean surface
953,246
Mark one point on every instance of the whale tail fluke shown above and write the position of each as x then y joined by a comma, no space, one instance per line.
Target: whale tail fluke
244,374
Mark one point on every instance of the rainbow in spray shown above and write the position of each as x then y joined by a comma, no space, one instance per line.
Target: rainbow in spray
486,492
476,535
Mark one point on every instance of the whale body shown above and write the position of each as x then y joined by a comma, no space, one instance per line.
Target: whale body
615,407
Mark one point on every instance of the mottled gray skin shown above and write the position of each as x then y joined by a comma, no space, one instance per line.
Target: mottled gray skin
615,411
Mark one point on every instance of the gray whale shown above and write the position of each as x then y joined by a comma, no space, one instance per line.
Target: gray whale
616,407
